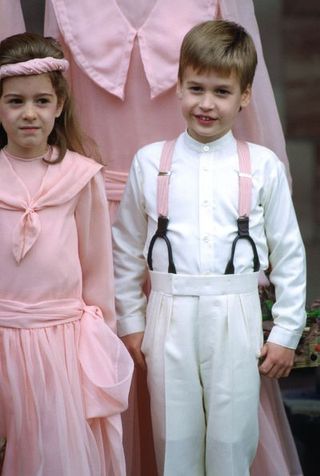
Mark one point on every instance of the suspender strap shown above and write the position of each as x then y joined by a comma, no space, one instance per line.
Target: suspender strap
245,179
164,177
162,204
245,192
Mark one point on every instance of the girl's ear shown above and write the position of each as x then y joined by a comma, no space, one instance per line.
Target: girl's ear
246,96
59,108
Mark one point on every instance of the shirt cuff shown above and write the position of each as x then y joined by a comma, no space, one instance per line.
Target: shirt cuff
284,337
130,325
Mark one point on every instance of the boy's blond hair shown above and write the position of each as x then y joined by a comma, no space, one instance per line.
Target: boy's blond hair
219,45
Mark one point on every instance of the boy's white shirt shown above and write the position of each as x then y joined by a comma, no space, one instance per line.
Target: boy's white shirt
203,209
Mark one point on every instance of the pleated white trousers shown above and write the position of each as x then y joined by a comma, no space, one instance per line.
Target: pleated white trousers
202,342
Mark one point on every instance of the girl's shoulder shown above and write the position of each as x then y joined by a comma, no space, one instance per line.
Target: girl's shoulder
74,172
77,166
78,161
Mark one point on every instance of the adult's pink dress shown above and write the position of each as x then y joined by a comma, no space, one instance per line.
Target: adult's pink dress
64,374
124,58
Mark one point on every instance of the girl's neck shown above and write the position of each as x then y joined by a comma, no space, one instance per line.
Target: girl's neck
46,156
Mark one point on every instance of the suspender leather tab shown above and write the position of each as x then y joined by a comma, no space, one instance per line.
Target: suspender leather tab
243,226
162,226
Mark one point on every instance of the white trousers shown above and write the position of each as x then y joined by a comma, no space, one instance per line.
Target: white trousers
202,342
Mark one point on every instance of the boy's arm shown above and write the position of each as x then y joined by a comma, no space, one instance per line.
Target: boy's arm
287,259
129,236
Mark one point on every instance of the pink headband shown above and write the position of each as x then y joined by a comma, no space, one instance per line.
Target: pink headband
33,66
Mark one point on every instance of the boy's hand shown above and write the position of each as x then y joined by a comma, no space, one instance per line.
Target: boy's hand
277,361
133,344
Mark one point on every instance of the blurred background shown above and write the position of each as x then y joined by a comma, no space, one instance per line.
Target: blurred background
290,34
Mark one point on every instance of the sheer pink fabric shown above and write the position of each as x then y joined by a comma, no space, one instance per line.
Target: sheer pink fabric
121,126
44,392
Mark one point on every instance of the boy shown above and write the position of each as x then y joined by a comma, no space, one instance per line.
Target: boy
222,208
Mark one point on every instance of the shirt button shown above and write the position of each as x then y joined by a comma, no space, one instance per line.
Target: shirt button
206,148
206,238
205,203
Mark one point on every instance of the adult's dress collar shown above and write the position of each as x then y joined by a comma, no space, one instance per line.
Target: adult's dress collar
101,39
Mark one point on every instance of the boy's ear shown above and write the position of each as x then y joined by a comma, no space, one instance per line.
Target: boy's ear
246,96
179,89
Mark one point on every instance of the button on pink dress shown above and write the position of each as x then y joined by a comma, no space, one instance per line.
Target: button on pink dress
64,374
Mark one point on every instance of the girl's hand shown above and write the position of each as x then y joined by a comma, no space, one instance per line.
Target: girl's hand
133,344
277,361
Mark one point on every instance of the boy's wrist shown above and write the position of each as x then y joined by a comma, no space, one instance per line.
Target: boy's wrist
284,337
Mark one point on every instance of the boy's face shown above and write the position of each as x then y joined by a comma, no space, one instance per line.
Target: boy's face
210,102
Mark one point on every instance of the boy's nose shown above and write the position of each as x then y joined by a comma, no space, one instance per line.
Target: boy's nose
207,102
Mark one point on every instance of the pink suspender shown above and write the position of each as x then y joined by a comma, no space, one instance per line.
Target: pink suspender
164,177
245,179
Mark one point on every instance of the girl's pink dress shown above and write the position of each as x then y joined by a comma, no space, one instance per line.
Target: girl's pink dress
64,374
124,62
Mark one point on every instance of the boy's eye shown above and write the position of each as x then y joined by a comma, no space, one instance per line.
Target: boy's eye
196,89
222,92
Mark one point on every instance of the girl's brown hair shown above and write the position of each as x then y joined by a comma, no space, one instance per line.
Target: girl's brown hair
66,133
219,45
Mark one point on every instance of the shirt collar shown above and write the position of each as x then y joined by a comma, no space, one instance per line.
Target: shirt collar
222,143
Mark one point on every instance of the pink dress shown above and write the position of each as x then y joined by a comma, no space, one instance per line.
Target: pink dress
65,376
123,75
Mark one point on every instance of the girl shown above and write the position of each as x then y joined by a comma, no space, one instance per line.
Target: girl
64,374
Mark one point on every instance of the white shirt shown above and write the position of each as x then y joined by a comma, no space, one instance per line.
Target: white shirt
203,212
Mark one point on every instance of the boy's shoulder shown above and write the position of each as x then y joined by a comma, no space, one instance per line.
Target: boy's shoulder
151,150
262,152
147,158
264,159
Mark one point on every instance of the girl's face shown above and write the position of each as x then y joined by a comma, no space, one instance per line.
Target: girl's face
28,109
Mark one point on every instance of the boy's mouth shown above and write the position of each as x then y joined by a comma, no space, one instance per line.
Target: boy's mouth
202,118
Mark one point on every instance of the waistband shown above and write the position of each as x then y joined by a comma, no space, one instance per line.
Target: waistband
22,315
203,285
105,365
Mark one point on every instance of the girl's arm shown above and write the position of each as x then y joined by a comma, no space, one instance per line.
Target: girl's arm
95,249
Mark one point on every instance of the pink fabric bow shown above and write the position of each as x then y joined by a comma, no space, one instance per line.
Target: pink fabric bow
25,234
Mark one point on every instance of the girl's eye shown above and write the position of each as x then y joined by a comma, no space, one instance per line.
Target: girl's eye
43,100
15,101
